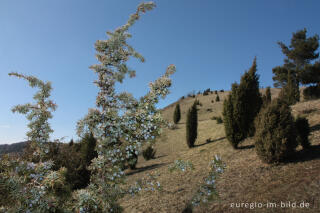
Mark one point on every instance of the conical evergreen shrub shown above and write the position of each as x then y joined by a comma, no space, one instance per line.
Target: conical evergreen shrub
230,124
217,98
192,125
267,97
290,92
303,131
275,137
242,106
177,114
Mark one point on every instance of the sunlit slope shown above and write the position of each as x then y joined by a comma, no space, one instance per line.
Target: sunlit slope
246,178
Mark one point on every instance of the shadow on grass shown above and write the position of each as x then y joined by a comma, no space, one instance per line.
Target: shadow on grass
305,155
160,156
315,128
246,147
146,168
210,141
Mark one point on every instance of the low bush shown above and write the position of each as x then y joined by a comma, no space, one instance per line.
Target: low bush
275,137
219,120
149,153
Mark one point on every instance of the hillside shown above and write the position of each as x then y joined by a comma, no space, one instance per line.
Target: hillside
12,148
246,178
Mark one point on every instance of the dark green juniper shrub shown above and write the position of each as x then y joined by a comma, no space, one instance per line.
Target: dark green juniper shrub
242,106
206,92
311,92
149,153
192,125
275,137
214,117
303,131
219,120
290,92
217,98
177,114
133,160
267,97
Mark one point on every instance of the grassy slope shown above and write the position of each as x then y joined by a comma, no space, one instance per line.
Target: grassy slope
246,178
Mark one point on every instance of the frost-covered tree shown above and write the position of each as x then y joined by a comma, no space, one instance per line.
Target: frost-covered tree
34,187
120,123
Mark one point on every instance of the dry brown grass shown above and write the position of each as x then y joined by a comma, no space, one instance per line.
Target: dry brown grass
246,178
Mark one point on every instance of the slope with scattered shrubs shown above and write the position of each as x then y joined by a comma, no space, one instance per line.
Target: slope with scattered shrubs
246,178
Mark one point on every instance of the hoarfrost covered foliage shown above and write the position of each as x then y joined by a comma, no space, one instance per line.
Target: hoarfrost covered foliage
181,165
207,191
120,123
29,186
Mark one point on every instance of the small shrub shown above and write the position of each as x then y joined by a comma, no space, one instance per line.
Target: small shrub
149,153
214,117
222,90
206,92
133,160
212,101
197,102
181,165
312,92
182,98
219,120
172,126
303,131
216,92
217,98
275,137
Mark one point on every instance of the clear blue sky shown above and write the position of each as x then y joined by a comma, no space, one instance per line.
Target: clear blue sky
211,43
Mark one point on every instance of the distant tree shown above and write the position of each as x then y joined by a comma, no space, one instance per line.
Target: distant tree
177,114
299,56
192,125
206,92
88,144
71,142
290,92
242,106
267,97
217,98
216,92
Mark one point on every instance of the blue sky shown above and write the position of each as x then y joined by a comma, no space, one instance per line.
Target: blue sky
211,43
